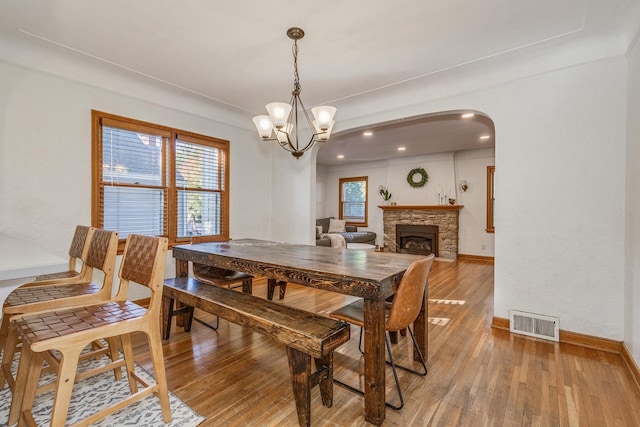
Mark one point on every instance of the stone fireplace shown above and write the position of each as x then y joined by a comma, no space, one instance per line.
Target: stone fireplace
437,228
417,239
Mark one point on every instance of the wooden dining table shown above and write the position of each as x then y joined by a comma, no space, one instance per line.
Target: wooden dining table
370,275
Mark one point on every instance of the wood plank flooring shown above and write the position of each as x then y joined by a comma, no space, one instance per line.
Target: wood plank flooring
478,376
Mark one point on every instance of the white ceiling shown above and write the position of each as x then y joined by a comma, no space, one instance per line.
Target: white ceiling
237,53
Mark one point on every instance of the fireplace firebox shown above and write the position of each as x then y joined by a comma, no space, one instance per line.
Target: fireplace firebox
417,239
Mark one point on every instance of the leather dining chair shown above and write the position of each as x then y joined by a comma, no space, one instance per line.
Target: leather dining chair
399,314
143,262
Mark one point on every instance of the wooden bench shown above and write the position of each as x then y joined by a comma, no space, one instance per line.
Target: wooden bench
306,335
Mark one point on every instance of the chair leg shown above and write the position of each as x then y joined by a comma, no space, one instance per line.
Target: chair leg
209,325
10,346
4,330
421,357
127,351
395,376
114,356
24,391
393,367
66,379
155,344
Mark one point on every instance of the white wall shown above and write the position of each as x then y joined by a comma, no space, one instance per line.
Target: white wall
321,192
442,180
292,193
632,232
45,157
471,166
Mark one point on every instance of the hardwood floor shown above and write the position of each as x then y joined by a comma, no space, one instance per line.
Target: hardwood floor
478,376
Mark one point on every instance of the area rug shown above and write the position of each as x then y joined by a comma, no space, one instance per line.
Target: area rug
95,393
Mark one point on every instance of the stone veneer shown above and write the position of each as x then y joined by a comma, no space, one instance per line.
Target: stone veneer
444,216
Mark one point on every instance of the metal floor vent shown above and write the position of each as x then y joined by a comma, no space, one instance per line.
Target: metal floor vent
534,325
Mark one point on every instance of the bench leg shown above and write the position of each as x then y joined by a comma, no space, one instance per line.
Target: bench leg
300,370
184,313
326,381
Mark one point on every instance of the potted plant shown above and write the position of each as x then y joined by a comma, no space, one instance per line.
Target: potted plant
384,192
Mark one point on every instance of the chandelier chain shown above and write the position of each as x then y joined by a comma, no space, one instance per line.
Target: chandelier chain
296,76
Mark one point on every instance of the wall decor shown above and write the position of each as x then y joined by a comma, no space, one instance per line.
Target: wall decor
422,179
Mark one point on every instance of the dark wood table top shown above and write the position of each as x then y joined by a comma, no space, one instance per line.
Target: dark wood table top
364,273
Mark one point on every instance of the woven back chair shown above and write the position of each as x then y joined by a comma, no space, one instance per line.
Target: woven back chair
77,254
399,314
100,255
143,262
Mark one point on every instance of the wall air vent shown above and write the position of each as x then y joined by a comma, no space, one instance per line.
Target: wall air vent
534,325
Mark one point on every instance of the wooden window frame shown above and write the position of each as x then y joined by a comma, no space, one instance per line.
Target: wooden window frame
491,197
366,199
170,136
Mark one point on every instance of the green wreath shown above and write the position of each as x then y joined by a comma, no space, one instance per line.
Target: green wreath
424,177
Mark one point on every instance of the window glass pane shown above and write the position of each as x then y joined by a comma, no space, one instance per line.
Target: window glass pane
198,166
354,191
130,157
353,212
134,210
199,213
354,196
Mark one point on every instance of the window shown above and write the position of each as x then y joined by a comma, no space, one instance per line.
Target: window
353,200
491,198
154,180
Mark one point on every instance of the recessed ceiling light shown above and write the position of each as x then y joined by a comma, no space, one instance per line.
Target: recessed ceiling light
367,133
483,137
402,148
340,156
467,115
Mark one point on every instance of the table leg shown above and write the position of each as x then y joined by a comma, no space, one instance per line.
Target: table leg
182,268
374,362
421,328
166,315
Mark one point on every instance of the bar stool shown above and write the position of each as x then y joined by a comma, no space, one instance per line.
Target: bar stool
101,256
68,331
77,252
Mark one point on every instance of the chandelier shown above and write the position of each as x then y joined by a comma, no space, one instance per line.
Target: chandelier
282,121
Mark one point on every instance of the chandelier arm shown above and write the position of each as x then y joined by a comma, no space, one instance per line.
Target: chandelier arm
287,138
